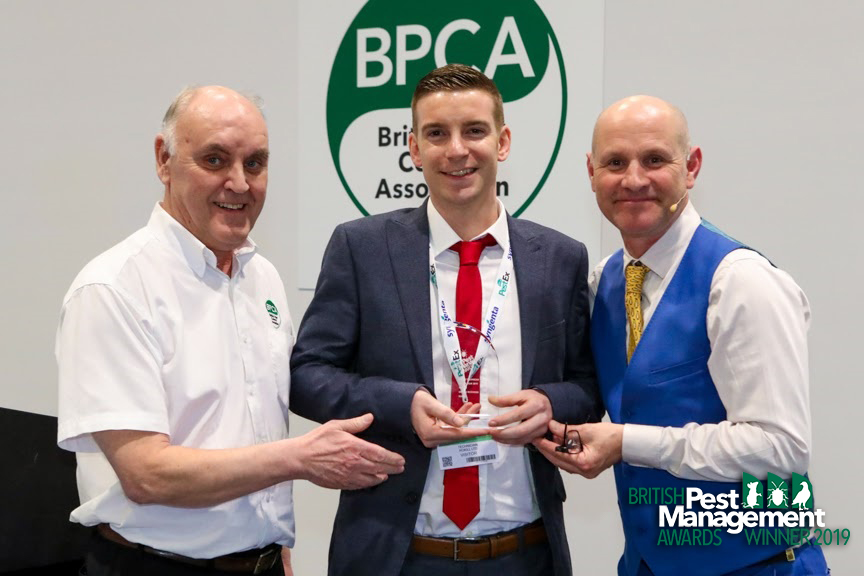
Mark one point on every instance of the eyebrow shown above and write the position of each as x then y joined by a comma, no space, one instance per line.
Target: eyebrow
261,153
433,125
215,148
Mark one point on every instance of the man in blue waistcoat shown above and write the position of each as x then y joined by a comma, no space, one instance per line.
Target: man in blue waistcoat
701,353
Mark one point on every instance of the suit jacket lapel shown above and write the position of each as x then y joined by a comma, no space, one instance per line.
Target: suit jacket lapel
408,244
529,263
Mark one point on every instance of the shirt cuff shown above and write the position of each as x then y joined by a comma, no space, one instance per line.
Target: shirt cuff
640,445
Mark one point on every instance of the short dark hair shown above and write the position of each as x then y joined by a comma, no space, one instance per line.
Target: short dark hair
457,78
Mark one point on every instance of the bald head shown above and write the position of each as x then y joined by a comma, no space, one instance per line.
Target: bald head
635,111
641,167
197,96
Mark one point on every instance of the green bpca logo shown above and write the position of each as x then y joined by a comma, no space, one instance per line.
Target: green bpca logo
775,493
391,44
273,312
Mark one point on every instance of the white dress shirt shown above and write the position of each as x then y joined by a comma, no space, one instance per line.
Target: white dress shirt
757,323
154,337
507,498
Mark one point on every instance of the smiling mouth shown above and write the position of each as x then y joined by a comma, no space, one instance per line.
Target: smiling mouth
227,206
463,172
635,200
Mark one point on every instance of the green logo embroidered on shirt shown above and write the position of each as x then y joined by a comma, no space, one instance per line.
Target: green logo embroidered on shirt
273,312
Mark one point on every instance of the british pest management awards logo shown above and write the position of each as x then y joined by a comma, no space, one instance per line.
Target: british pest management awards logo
391,44
775,511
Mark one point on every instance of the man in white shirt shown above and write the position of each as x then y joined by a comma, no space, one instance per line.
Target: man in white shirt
379,337
700,346
173,351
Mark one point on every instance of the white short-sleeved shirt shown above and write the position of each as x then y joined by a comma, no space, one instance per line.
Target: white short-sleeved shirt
154,337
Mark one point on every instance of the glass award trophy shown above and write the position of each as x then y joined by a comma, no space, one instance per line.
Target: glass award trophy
483,381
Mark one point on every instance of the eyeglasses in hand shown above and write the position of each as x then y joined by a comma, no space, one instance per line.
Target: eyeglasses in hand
571,443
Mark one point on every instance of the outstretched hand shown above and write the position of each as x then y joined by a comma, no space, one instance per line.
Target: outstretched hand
336,458
601,448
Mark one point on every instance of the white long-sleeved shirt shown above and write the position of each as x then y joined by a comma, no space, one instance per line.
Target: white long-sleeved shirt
757,322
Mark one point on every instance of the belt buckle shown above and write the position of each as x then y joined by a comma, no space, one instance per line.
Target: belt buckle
456,548
266,561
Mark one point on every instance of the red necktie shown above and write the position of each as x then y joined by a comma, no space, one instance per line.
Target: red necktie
462,485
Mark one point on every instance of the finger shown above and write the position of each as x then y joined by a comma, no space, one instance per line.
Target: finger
467,408
504,401
563,461
354,425
379,455
545,446
509,417
438,411
360,481
557,428
451,418
388,467
521,433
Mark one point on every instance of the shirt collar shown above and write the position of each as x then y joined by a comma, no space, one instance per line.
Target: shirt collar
442,236
667,250
196,255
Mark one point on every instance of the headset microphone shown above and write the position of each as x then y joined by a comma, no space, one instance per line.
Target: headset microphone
674,207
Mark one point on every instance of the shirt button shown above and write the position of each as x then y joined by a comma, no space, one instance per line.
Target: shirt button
411,497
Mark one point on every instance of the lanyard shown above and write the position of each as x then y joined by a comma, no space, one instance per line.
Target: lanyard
448,325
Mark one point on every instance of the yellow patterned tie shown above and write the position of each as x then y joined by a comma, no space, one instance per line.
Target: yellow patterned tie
635,276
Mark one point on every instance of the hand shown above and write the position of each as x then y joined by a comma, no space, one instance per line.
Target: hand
336,458
427,414
286,561
601,448
533,412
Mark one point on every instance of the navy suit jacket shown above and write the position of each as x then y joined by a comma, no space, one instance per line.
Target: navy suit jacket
365,345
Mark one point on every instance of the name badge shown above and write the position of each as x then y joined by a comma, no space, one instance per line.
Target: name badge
472,452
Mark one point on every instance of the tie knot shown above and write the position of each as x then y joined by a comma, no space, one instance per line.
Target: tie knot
635,276
469,252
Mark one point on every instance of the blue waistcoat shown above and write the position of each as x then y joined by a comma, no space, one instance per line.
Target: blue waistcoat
666,384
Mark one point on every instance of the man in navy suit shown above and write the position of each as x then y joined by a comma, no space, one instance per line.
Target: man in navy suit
377,338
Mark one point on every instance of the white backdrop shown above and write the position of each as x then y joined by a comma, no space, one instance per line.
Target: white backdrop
770,89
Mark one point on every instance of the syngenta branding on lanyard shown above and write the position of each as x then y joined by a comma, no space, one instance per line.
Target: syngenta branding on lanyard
449,324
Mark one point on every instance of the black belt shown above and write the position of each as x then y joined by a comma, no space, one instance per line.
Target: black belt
250,561
480,548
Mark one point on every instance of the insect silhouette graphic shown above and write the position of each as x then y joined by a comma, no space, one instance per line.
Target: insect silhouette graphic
777,494
802,497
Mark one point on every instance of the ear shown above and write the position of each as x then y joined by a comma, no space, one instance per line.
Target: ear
504,143
694,164
414,149
590,169
162,157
